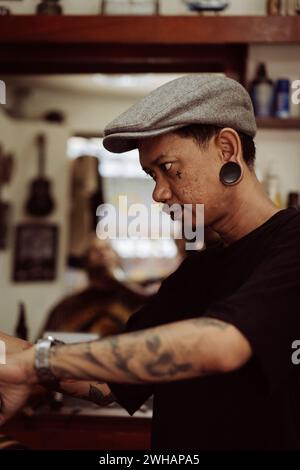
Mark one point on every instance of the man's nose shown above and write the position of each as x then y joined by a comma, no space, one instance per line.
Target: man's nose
162,192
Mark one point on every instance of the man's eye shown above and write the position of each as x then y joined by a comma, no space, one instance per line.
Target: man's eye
166,166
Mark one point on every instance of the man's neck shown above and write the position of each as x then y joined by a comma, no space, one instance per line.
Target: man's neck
246,214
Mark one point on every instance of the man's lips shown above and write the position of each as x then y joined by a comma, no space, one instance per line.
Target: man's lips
175,211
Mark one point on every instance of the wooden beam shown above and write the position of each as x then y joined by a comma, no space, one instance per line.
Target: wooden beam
159,30
111,58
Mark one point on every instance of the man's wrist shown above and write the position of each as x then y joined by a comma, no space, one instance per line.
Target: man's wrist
43,349
28,357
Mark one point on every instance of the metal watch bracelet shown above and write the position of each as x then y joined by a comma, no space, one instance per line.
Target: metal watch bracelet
41,361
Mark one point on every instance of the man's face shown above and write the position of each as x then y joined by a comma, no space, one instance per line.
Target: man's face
184,172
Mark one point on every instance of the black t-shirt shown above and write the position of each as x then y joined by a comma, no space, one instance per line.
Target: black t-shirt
253,284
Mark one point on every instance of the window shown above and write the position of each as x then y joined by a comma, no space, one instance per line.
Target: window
122,175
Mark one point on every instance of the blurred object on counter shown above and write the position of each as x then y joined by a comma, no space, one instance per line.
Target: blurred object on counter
4,11
49,7
40,202
282,98
21,330
6,169
86,196
73,337
293,200
102,308
262,92
272,185
130,7
202,6
297,8
274,7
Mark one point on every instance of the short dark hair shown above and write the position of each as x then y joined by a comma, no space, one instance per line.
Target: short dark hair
203,133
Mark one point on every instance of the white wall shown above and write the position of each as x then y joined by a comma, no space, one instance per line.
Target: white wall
167,7
83,113
18,137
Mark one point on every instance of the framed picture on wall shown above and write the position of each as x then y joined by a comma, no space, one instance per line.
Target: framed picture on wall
35,253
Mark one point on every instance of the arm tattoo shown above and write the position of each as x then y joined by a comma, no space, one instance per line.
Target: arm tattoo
120,361
175,351
96,396
164,362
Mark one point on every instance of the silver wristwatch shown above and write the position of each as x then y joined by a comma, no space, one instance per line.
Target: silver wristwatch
41,361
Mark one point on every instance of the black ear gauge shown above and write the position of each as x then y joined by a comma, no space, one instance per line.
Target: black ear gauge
230,173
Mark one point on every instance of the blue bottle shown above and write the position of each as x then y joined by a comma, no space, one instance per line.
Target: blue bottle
282,98
262,93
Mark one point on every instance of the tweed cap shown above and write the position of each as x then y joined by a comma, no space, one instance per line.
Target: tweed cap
191,99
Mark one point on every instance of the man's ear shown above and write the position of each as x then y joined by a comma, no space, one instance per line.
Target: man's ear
230,145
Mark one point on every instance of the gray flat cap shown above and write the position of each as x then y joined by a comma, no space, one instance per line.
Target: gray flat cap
192,99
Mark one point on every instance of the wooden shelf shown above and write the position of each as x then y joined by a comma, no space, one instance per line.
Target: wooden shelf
155,30
275,123
137,44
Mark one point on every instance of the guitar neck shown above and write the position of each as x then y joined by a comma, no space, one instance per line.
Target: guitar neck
41,142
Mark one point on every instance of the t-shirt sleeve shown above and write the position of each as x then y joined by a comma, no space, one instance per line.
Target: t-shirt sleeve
266,308
156,312
131,396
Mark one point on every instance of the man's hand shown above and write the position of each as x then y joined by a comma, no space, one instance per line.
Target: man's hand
18,382
14,386
12,398
95,392
14,345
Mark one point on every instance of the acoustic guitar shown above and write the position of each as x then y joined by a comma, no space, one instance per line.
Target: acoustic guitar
40,202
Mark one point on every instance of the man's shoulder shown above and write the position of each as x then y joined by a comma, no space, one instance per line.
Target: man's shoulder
289,228
283,240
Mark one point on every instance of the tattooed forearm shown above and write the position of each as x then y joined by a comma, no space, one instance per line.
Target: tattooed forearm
175,351
206,321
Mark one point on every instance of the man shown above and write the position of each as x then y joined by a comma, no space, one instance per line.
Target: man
214,345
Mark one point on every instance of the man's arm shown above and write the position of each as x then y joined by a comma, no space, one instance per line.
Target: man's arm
176,351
